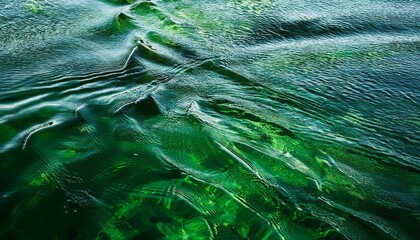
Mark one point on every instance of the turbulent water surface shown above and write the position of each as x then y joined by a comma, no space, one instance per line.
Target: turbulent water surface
199,119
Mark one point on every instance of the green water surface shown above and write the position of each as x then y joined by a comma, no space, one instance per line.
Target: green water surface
199,119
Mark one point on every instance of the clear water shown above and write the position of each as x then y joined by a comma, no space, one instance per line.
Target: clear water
234,119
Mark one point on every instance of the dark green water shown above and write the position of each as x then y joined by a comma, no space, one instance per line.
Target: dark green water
232,119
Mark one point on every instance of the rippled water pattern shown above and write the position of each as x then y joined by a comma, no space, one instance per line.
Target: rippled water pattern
222,119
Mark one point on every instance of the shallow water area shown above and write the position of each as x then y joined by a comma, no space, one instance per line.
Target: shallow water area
233,119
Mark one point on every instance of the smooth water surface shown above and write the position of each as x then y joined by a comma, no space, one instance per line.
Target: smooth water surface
199,119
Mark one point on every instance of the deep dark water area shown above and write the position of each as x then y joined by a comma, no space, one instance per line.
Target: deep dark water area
233,119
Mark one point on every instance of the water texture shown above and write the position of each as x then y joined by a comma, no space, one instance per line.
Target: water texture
222,119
